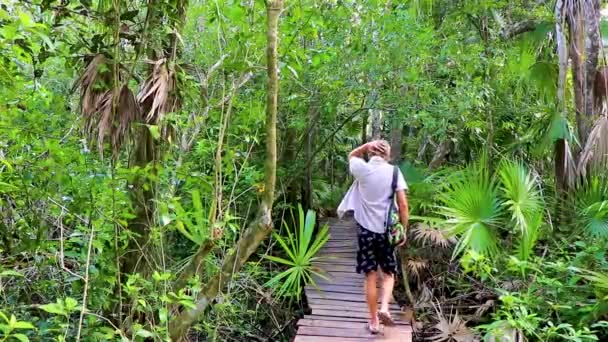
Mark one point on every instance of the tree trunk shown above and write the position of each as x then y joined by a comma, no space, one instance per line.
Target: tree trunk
364,122
562,53
441,153
307,190
261,226
396,139
136,258
289,162
376,124
584,51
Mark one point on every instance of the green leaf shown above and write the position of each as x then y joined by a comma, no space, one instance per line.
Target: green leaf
54,308
21,337
46,40
163,315
279,260
10,272
70,304
5,187
154,131
26,19
23,325
144,333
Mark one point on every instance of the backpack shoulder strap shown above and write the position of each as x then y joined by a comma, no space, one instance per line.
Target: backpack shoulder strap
394,182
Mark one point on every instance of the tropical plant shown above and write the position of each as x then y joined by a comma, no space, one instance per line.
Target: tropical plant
473,209
11,326
301,251
591,200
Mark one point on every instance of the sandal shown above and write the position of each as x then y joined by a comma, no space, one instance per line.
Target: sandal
386,319
373,330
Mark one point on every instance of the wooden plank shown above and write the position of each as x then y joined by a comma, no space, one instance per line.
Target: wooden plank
351,242
302,338
351,297
338,304
331,250
329,324
330,289
336,268
345,262
341,324
360,331
336,288
395,312
358,288
387,334
349,313
336,259
335,318
337,280
341,254
346,319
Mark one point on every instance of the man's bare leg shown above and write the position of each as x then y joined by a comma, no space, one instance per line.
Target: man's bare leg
371,293
388,282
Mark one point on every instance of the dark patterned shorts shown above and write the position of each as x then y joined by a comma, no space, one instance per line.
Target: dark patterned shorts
375,251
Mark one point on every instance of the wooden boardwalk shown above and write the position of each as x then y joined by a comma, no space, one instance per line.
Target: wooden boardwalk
339,311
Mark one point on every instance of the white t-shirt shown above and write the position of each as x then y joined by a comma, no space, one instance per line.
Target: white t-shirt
369,196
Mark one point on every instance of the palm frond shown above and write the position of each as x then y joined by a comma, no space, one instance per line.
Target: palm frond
425,234
527,241
454,329
472,209
93,83
301,250
521,191
157,92
416,267
107,111
592,206
595,219
594,155
557,127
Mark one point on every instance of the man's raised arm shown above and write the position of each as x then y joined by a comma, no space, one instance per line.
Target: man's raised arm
360,151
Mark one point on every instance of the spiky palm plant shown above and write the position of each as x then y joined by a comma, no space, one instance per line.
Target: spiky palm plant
301,250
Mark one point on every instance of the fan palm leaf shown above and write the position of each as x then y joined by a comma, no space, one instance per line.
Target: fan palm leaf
521,192
472,210
592,207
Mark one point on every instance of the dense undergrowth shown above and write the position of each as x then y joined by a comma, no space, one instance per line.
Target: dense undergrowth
138,149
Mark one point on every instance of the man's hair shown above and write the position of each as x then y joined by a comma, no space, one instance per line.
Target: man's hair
381,149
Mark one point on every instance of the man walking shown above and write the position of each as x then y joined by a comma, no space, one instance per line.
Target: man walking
369,198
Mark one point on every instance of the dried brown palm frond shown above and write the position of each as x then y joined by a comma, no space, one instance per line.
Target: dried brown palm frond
426,234
595,153
116,123
107,111
454,329
416,266
93,83
157,95
425,298
481,310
